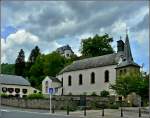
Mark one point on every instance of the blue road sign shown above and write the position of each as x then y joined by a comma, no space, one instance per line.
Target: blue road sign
50,90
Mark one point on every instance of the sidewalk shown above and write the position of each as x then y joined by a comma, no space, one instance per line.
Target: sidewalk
108,113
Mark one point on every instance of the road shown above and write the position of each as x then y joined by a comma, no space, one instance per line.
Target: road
12,112
27,114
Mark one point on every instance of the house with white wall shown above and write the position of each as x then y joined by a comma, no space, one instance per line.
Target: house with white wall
17,86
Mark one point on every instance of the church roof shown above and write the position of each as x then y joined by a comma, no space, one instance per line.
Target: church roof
13,80
99,61
54,79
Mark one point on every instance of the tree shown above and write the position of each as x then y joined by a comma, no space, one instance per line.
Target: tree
132,82
8,68
33,55
20,64
53,63
96,46
32,58
104,93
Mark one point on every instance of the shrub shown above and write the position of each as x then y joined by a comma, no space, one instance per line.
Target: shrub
35,96
114,106
4,95
104,93
94,94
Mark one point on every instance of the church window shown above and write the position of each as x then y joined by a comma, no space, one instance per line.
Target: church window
69,81
80,79
106,76
92,78
62,81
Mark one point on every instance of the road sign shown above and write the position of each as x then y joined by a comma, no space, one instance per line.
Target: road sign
51,90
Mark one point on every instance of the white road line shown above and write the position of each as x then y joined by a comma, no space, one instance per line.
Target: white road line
10,110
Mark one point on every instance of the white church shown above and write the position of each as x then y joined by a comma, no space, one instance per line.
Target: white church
93,74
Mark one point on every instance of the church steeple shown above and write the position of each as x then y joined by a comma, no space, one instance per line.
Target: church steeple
127,49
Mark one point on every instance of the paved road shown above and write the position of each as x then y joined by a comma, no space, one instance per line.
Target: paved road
26,114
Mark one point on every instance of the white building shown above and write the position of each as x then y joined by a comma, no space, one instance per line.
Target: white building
65,51
51,82
13,85
97,73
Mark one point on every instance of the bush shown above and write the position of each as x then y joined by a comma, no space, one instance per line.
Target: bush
4,95
35,96
114,106
94,94
104,93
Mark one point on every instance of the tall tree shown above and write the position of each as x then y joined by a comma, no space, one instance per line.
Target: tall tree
20,64
96,46
33,55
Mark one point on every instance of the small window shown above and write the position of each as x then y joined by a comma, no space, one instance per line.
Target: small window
17,90
11,90
80,79
69,81
35,91
46,89
24,91
46,83
92,78
61,81
106,76
4,89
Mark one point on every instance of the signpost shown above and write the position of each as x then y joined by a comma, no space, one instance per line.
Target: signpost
50,91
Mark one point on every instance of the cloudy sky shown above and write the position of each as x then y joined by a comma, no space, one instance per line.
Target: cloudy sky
51,24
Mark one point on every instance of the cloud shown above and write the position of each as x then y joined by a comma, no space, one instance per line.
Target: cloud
52,24
23,40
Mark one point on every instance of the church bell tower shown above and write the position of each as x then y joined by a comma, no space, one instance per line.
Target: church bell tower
127,65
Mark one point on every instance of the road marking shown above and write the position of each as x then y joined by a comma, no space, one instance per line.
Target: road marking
9,110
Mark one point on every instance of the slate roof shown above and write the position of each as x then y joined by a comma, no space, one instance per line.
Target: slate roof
13,80
99,61
126,63
54,79
63,48
128,59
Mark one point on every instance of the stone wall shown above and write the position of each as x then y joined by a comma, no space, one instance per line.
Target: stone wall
60,102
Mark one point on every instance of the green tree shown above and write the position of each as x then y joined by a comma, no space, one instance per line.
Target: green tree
20,64
32,58
104,93
131,82
96,46
53,63
8,69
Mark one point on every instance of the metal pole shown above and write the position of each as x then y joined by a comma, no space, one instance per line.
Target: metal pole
121,112
103,112
67,109
50,103
84,110
139,112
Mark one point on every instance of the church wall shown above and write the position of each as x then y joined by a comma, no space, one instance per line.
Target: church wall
87,87
127,69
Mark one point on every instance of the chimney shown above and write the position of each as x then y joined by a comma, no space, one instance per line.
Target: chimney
120,45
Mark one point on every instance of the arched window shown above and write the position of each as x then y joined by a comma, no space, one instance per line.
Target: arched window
106,76
69,80
92,78
80,79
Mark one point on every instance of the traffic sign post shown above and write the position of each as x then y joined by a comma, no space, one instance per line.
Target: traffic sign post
50,91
